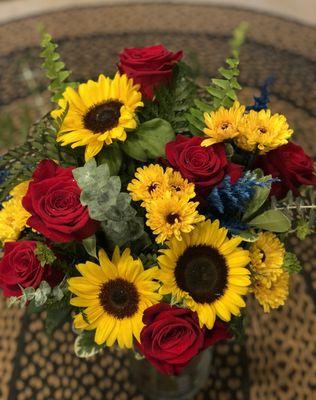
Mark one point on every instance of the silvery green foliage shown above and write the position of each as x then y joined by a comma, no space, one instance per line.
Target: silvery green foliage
99,190
101,193
85,345
39,296
122,224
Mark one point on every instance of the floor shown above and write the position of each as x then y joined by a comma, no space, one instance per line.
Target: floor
300,10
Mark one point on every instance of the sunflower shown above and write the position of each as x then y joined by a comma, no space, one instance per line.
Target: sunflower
150,183
222,124
263,131
171,215
207,271
13,216
177,184
98,113
274,295
266,257
114,295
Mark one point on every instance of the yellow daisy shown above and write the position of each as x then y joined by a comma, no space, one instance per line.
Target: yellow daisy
114,296
266,258
172,215
99,112
207,271
273,296
13,216
222,124
179,185
263,131
150,183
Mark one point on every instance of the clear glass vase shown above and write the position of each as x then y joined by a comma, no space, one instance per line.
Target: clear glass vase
157,386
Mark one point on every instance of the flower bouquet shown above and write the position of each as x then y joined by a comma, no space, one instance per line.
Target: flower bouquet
146,208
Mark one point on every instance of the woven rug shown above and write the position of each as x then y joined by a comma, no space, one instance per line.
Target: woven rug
277,360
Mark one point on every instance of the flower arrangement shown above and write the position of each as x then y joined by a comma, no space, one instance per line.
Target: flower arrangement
146,208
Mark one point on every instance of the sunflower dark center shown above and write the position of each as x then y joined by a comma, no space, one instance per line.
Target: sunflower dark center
172,217
102,117
202,272
119,298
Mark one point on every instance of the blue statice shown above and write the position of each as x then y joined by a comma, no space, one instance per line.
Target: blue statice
228,201
261,102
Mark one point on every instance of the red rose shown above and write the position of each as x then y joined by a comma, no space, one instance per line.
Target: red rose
204,166
149,66
20,267
172,336
53,200
291,165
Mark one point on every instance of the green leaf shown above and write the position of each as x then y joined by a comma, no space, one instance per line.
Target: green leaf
238,38
222,83
32,308
85,345
302,229
258,199
248,236
55,317
90,245
112,157
216,92
149,140
44,254
291,263
271,220
203,107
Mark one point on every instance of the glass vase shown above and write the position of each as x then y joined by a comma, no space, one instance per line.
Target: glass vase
157,386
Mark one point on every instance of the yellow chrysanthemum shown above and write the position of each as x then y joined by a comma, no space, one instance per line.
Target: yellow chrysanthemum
222,124
207,271
150,183
99,112
179,185
171,215
13,216
266,257
114,295
273,296
263,131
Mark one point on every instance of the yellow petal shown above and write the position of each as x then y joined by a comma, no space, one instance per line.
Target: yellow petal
92,150
222,310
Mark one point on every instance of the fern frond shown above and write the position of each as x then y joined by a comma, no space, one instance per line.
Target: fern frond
173,102
222,91
54,68
19,163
